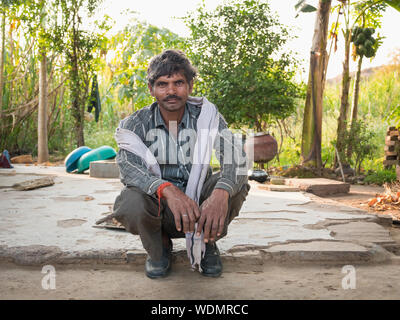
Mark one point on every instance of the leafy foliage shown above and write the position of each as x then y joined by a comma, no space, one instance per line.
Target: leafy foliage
361,140
54,28
366,13
79,48
391,80
133,48
381,176
237,49
240,71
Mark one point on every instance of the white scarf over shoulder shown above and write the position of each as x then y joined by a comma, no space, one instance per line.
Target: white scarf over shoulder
207,129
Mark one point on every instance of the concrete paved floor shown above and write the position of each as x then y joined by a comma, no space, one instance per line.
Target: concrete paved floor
55,225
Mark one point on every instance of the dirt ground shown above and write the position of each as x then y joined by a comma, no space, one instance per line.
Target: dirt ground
239,281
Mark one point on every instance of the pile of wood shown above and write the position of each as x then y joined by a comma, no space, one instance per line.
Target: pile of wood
392,148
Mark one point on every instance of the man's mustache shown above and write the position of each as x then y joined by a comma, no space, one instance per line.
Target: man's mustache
172,97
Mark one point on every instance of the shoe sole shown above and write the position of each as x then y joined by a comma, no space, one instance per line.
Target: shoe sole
211,275
161,275
157,277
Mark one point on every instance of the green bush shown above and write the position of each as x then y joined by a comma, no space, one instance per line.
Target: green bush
381,176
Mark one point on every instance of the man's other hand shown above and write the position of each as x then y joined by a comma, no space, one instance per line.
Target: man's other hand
213,213
185,210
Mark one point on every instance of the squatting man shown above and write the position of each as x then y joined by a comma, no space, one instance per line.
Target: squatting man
169,189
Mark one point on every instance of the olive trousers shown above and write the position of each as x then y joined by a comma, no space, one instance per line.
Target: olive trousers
138,213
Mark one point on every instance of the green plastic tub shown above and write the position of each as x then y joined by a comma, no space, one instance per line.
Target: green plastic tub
102,153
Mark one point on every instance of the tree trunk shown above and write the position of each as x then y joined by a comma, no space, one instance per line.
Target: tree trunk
355,106
312,122
3,49
78,109
43,151
11,62
344,102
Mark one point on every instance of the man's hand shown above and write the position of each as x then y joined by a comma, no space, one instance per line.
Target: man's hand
184,209
213,213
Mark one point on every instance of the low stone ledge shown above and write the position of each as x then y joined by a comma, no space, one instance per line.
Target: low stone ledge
304,252
319,186
104,169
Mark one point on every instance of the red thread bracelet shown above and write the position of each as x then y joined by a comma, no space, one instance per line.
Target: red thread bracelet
159,194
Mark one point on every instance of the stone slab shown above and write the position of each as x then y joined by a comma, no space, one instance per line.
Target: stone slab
327,251
319,186
104,169
34,184
323,246
277,181
361,231
280,188
56,224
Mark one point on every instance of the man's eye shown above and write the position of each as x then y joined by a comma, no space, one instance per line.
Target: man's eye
161,84
179,83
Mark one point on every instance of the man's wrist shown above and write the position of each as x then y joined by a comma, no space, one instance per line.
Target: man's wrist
160,189
226,185
219,192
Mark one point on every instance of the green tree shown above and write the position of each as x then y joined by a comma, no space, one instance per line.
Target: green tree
238,51
43,148
79,47
393,3
352,13
2,51
37,62
4,6
364,45
17,65
362,139
392,88
133,48
312,122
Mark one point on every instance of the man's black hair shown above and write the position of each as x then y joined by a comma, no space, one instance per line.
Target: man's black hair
169,63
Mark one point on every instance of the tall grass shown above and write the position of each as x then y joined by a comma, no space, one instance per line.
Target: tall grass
379,98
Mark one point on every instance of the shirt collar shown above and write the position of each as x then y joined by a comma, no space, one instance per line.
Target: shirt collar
159,121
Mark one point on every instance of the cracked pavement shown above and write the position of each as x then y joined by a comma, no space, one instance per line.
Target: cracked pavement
55,225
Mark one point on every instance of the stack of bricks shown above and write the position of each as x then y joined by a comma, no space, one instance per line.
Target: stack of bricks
392,147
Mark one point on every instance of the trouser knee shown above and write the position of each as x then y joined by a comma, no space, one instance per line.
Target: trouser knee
136,211
234,206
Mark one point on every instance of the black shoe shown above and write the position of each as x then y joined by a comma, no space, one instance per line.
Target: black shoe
211,263
161,268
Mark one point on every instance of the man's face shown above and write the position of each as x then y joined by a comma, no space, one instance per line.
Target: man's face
171,92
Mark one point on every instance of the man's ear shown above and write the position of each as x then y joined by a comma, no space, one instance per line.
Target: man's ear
150,89
190,87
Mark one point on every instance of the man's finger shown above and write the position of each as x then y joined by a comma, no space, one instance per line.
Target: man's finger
192,220
200,225
221,226
177,218
214,229
207,229
196,210
185,220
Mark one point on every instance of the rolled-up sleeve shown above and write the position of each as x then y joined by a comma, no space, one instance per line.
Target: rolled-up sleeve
134,173
231,156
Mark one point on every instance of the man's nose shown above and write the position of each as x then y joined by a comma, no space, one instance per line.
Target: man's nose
171,89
